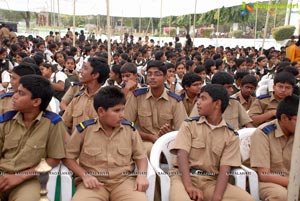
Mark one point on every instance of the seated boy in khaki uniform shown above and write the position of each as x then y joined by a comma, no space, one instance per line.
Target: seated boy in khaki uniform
206,149
107,149
271,150
28,134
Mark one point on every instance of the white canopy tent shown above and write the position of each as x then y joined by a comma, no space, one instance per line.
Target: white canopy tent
121,8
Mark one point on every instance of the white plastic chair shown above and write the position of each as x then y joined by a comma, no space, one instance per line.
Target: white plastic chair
244,135
162,145
261,90
66,183
54,105
151,176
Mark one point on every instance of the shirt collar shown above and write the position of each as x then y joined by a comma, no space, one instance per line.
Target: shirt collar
164,95
204,120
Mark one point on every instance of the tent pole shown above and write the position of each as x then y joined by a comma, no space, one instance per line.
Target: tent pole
266,27
194,31
58,16
108,34
74,6
218,22
255,27
294,177
160,21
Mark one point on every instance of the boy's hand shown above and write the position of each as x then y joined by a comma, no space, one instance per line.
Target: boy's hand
91,182
164,129
130,85
10,180
194,193
141,183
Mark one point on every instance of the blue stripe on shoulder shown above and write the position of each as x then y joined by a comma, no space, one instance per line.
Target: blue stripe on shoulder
128,123
264,96
140,91
54,118
7,116
175,96
269,128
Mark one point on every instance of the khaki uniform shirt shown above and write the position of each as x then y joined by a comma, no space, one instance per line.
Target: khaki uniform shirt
22,148
260,106
272,150
71,93
208,148
80,109
150,114
245,103
107,158
6,104
187,102
235,114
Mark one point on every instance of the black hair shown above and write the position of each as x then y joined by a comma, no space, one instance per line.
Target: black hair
239,61
188,64
199,69
38,58
222,78
129,68
285,77
249,79
189,78
241,73
219,62
22,54
157,64
169,65
59,52
107,97
39,87
288,106
158,55
99,66
208,64
24,69
217,92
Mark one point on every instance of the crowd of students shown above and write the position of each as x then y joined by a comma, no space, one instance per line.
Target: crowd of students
111,114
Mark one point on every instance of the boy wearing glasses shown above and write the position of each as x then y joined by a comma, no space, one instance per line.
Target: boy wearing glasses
155,110
264,107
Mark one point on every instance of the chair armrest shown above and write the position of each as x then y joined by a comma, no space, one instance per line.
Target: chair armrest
240,177
253,182
151,176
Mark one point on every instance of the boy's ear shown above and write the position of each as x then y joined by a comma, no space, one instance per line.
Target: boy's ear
100,111
37,102
96,75
219,104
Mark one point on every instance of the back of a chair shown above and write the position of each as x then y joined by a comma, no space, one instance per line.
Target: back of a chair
244,135
262,90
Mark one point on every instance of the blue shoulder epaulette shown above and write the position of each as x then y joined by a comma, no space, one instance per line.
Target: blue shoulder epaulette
129,123
76,83
182,96
233,98
192,119
83,125
173,95
79,93
140,91
7,94
264,96
232,129
55,118
7,116
269,128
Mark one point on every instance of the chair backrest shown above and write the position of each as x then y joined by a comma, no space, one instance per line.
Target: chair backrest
244,135
162,145
262,90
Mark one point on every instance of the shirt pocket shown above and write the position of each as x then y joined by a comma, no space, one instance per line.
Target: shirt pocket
145,119
91,156
165,119
10,147
77,116
217,151
197,152
32,153
123,156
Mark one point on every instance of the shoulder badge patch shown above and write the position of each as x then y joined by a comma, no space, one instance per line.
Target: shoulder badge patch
264,96
175,96
140,91
182,96
269,128
129,123
55,118
232,129
7,116
190,119
83,125
7,94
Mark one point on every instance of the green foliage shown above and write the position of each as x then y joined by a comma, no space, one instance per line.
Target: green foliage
283,32
206,32
237,33
173,32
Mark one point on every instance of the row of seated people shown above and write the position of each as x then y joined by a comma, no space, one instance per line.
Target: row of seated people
155,110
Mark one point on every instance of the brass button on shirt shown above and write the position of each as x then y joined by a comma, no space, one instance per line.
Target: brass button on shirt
22,148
